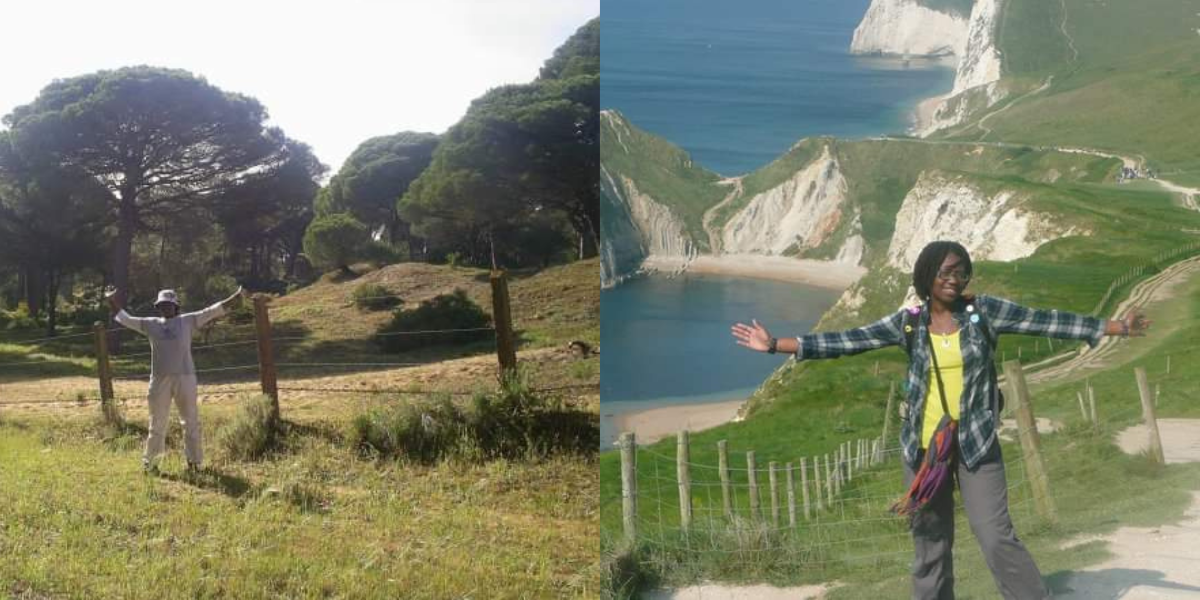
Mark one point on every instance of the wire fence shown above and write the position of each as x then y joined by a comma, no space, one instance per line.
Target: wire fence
260,358
747,515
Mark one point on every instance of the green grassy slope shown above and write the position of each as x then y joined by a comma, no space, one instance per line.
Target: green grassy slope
661,170
1134,86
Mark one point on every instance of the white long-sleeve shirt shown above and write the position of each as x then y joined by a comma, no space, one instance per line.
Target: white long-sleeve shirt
171,339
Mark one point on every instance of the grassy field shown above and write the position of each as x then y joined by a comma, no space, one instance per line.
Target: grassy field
808,409
315,518
1134,86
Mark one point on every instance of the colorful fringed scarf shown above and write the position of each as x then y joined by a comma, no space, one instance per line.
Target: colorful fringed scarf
937,467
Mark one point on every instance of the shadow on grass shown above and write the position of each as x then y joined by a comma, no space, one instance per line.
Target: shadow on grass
1113,583
212,479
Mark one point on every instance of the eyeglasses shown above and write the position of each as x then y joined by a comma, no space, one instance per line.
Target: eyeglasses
958,275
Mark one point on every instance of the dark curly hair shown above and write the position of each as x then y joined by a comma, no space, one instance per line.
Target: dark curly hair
931,259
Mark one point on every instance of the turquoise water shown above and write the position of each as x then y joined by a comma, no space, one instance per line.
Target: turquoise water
667,341
737,83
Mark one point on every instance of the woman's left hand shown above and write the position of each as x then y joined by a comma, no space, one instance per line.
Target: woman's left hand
1136,321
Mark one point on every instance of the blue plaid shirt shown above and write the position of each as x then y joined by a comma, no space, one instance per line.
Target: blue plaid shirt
978,404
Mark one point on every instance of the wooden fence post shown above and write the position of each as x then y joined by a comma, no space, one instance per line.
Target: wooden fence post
774,482
828,484
752,477
502,316
887,416
804,488
1092,405
266,356
817,483
1083,409
1030,442
103,367
723,467
1148,414
629,485
685,481
791,494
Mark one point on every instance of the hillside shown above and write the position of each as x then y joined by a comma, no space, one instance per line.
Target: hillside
316,516
1119,76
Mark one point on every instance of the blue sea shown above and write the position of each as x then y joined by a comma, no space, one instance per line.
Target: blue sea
737,83
667,341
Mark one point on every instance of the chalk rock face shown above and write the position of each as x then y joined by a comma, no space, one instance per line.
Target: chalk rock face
621,249
905,28
991,225
980,63
800,213
661,233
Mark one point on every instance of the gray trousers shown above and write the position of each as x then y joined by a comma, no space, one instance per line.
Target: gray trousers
985,497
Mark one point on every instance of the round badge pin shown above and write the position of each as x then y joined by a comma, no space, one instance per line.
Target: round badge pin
914,309
970,308
974,318
908,329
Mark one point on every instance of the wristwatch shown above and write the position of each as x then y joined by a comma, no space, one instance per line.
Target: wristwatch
771,346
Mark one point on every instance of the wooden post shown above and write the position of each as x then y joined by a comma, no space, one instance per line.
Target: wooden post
877,368
752,475
773,480
791,495
103,368
1092,404
1082,409
1157,392
816,463
723,467
266,356
506,348
685,481
629,485
828,484
848,456
1168,364
804,488
887,416
1030,442
1148,414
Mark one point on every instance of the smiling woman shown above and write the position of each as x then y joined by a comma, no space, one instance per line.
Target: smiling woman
942,440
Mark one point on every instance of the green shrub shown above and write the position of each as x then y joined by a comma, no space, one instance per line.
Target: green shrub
252,432
512,423
372,296
445,312
425,432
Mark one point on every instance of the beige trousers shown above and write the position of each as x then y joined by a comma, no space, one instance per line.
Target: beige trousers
183,389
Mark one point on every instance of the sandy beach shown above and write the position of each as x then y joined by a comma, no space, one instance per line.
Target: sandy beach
924,113
657,423
820,273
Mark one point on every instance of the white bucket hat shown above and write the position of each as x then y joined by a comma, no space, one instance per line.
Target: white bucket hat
167,296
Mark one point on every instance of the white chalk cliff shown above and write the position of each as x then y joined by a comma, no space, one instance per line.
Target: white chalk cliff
992,226
905,28
661,233
801,213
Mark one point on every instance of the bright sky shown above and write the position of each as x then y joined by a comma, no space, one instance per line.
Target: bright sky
331,73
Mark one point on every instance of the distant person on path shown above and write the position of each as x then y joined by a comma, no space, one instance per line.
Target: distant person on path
956,332
172,372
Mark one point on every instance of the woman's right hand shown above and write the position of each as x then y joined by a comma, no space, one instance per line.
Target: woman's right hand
754,337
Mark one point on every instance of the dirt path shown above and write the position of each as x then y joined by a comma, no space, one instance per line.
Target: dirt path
741,592
714,234
1154,289
1149,562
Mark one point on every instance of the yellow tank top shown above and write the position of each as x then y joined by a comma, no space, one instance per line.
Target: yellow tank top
949,358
